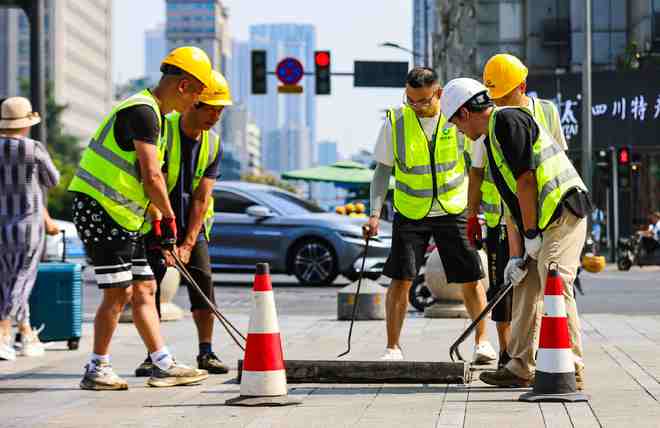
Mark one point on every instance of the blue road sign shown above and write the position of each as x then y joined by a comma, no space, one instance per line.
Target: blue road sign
289,71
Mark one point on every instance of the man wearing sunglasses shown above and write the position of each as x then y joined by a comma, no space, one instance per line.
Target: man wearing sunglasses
430,199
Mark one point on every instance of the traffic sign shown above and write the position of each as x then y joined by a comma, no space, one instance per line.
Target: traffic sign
289,71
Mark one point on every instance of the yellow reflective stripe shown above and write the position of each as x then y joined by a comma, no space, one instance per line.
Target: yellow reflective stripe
97,147
418,193
109,192
399,133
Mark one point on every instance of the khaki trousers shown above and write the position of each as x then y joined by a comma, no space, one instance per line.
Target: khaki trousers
562,244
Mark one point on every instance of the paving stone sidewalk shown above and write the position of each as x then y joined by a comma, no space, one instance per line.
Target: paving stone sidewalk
623,379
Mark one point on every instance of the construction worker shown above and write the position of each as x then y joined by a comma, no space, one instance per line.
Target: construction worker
430,199
505,77
547,200
192,167
118,176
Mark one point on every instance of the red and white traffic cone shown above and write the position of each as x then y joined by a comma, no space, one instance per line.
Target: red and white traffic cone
555,365
263,380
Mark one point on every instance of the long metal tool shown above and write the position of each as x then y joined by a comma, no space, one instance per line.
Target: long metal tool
355,299
228,326
454,348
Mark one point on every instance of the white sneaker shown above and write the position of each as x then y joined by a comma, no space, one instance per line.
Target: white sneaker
484,353
392,354
7,351
31,346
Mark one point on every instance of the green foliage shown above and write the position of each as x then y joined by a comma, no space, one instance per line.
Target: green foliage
65,151
270,180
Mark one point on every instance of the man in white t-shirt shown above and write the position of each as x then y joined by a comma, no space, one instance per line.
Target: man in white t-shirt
430,198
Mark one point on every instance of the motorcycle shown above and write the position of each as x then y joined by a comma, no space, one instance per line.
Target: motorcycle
632,251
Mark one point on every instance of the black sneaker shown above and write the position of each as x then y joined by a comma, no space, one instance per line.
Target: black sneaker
144,369
211,363
504,358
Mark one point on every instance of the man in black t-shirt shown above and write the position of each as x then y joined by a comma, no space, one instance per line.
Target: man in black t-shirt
522,159
192,166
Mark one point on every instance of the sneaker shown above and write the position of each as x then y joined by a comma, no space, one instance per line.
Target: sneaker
7,351
503,360
211,363
392,354
31,346
17,342
484,353
99,376
177,374
144,369
505,378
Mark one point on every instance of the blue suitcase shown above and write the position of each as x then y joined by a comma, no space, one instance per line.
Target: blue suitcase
56,302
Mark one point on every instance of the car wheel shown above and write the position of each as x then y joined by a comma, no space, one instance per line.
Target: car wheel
314,263
419,295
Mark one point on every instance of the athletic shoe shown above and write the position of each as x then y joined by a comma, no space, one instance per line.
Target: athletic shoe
31,346
7,351
177,374
392,354
504,377
483,353
99,376
211,363
144,369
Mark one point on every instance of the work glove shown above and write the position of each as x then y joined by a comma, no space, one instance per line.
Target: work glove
168,233
514,272
533,246
474,230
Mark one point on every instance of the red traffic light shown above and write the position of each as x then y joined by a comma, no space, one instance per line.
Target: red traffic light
624,156
322,58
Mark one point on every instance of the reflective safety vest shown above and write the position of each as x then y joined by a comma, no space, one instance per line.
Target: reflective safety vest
555,174
421,175
111,175
491,202
208,152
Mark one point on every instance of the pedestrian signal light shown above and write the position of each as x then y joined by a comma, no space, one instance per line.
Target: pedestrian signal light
322,72
259,72
624,156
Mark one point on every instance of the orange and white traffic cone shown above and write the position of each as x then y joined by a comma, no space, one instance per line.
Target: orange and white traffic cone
555,365
263,380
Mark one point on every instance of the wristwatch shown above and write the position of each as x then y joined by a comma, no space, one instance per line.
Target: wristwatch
531,233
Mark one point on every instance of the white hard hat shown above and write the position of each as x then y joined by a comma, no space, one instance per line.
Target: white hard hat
459,91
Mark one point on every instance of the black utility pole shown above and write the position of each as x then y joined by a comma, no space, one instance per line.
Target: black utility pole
35,11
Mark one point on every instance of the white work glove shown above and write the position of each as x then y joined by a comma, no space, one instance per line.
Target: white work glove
514,272
533,246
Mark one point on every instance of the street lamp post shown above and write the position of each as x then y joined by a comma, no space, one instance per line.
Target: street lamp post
398,46
586,99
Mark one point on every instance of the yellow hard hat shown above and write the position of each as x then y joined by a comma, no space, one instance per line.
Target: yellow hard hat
340,210
192,60
350,208
359,207
593,264
217,94
502,73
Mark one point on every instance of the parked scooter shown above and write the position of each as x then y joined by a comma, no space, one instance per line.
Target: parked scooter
631,252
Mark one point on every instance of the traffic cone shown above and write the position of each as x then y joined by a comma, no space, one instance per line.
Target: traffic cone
555,366
263,381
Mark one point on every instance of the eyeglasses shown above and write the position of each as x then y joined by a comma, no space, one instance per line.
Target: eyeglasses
418,104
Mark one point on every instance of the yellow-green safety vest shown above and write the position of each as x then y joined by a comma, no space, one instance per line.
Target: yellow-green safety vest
416,167
491,202
208,152
111,175
555,174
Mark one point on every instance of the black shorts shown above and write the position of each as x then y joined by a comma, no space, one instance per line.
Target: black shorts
199,267
117,255
410,239
497,249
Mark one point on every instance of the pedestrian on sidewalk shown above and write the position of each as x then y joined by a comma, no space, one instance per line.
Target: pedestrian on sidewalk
506,77
118,177
26,169
548,202
430,198
192,167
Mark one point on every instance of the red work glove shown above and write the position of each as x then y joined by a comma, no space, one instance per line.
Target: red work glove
473,230
168,233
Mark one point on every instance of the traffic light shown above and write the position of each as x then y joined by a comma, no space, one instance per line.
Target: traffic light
624,161
604,161
259,72
322,72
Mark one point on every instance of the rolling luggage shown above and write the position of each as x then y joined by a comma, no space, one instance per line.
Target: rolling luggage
56,302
